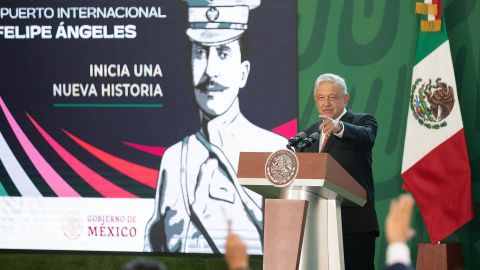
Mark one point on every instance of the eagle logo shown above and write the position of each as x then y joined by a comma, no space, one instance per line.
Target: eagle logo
431,102
212,14
281,167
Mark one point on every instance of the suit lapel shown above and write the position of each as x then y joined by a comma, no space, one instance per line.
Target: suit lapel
347,117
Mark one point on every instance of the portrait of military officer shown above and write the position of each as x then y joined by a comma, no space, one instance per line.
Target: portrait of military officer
197,191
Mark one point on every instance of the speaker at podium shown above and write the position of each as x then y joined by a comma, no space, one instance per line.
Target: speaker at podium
302,215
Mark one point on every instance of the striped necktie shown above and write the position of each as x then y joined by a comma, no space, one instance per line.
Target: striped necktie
325,139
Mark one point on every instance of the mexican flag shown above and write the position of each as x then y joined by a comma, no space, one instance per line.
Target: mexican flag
435,163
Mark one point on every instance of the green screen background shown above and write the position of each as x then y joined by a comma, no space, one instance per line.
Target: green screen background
372,44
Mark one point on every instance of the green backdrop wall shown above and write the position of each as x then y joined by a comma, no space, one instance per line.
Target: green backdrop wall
371,43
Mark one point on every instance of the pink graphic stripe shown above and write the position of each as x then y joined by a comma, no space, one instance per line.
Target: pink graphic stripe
137,172
100,184
154,150
289,129
55,181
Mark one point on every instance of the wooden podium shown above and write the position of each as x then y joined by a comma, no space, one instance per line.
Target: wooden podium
303,228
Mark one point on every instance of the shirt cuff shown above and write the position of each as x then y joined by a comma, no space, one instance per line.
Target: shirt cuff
340,134
398,253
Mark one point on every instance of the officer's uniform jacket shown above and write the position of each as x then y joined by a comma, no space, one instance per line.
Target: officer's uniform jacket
198,192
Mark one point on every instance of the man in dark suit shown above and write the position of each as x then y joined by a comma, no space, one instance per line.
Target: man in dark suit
349,138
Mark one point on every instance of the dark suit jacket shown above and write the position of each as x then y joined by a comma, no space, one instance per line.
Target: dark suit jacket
354,153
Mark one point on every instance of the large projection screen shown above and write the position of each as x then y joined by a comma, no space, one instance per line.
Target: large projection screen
120,132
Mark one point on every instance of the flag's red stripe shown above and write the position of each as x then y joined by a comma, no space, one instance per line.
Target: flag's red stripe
439,9
441,185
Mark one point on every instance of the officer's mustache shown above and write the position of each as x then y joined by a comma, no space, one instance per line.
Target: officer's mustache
207,84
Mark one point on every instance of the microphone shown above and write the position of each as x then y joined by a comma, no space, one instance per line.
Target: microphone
310,140
295,140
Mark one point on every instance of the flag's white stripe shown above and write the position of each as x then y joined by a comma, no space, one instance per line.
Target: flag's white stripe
430,17
420,140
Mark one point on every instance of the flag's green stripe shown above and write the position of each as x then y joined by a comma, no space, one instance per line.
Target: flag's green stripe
105,105
3,192
427,42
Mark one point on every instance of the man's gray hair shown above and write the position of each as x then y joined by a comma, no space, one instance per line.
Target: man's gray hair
332,78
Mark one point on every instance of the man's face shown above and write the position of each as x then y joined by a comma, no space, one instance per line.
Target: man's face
218,74
330,99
